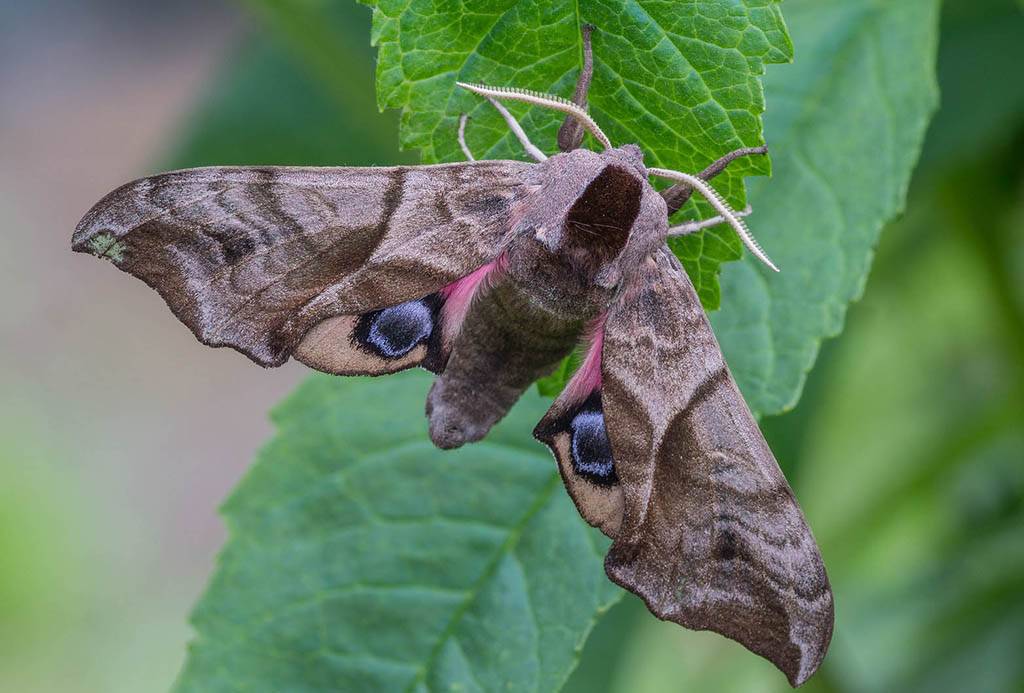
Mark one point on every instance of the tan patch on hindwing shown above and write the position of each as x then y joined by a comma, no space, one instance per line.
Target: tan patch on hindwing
601,506
574,429
328,348
378,342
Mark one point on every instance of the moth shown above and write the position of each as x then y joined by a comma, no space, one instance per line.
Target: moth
489,273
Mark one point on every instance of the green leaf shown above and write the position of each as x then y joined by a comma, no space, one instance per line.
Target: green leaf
680,78
982,37
846,124
551,385
362,558
266,106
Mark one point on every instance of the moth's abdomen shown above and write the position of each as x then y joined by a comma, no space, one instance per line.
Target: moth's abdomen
506,342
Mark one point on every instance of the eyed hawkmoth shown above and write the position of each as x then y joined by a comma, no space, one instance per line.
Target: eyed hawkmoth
487,273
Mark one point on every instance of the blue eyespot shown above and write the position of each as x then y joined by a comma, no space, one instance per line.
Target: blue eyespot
591,450
395,331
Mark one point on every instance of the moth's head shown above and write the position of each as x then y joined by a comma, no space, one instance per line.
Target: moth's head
596,212
588,208
594,228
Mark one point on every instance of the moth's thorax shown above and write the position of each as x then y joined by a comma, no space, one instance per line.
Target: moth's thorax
592,218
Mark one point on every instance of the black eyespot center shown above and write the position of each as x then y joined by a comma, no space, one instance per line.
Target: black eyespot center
395,331
590,448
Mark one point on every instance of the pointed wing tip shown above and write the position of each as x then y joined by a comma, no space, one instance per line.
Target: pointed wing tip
798,673
80,237
799,669
790,661
83,232
95,235
100,242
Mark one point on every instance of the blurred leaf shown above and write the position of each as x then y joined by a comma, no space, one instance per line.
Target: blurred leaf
632,652
601,659
268,107
846,124
985,37
49,574
363,558
680,78
919,507
38,541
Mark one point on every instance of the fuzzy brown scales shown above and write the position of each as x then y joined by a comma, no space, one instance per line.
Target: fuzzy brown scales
252,258
488,273
711,536
505,344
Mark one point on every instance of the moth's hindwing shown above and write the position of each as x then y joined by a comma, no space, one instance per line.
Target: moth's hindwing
574,428
419,332
378,342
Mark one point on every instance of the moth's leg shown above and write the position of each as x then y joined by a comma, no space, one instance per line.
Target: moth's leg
462,138
570,135
676,196
517,130
689,227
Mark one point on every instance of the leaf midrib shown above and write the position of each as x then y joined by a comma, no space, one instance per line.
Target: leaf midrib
507,547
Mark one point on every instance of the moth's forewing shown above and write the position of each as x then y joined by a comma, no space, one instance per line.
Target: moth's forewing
710,535
253,258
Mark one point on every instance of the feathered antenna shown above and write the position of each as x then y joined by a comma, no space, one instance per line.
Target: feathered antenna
545,100
720,205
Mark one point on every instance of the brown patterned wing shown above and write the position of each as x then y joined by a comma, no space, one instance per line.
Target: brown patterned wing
254,258
710,536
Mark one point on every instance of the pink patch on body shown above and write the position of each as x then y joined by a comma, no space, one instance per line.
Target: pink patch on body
588,378
458,295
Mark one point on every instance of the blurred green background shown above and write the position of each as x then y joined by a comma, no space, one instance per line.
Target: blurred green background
119,437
